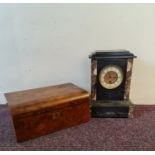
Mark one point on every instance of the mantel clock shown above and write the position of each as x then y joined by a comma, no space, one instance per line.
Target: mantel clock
110,83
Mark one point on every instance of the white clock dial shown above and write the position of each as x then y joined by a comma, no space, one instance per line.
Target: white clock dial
111,77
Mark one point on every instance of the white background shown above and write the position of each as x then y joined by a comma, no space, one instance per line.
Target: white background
48,44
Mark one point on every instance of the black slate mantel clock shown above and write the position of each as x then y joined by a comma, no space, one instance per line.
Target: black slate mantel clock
110,83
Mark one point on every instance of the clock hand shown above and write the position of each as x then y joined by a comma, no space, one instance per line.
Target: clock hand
109,75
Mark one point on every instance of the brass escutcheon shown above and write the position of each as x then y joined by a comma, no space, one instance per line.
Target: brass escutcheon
55,115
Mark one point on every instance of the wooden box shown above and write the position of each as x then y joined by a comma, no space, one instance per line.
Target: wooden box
41,111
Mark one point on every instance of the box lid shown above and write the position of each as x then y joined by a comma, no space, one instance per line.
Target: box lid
36,99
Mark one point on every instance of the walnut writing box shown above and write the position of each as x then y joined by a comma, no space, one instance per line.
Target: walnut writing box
41,111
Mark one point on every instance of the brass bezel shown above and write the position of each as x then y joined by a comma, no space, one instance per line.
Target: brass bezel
107,66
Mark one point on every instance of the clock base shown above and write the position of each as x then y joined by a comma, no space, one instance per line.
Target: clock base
112,109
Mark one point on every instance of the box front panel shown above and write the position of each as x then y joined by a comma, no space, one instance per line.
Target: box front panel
47,122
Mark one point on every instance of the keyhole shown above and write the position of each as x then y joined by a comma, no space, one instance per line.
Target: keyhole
55,115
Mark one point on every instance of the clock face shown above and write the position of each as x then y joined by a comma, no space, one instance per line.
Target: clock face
111,77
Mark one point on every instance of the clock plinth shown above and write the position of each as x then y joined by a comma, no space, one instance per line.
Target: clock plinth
112,109
110,83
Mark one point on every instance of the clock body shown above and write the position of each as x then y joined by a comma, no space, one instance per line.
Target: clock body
110,83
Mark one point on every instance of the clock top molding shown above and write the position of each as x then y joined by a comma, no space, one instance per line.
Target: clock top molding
105,54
